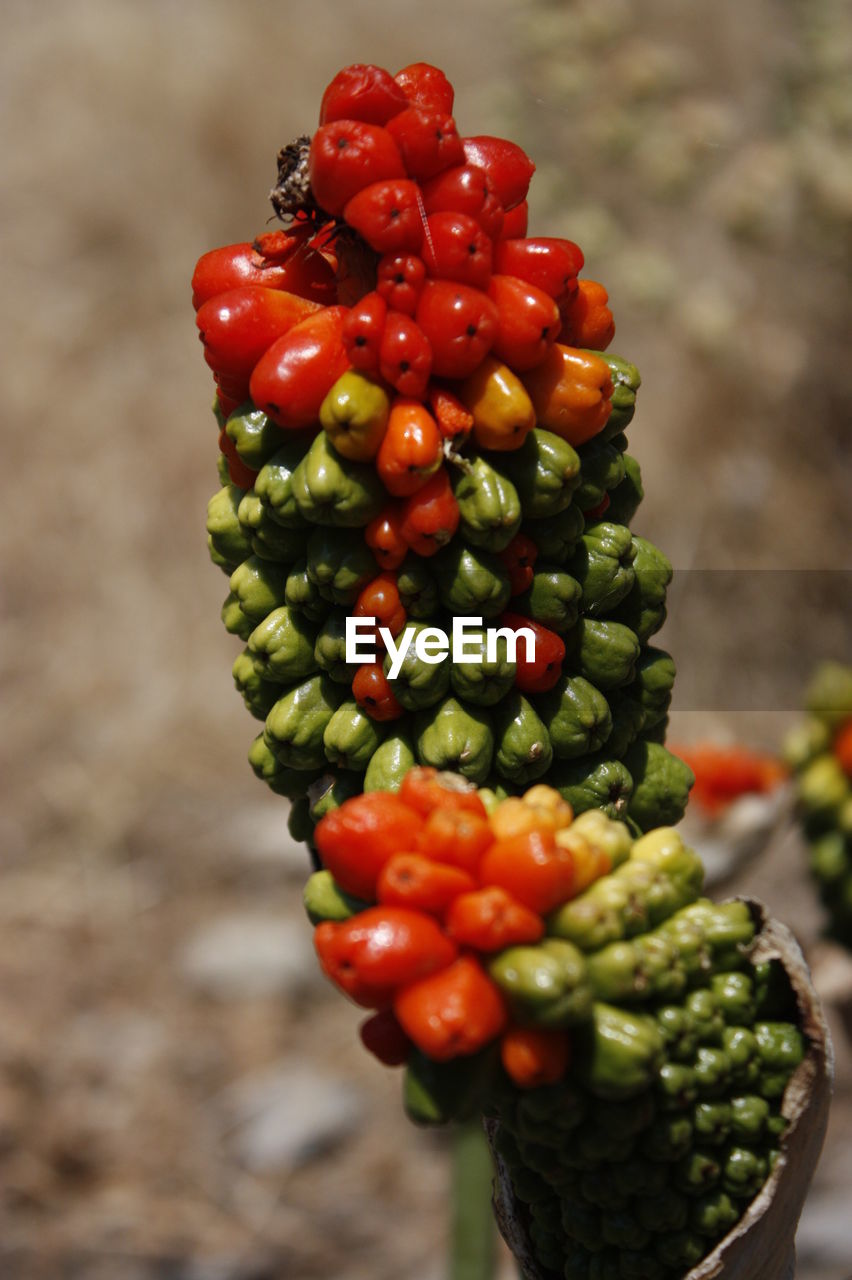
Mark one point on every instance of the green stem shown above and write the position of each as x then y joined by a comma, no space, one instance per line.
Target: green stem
473,1231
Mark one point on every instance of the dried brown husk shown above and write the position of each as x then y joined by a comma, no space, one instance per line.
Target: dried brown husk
762,1244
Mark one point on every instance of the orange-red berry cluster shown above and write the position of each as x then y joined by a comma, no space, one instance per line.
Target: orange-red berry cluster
452,885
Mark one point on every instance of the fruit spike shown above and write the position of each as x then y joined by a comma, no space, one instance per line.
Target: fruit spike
419,421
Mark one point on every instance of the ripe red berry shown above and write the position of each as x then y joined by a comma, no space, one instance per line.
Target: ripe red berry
515,222
405,355
548,263
275,260
518,560
465,189
426,86
362,332
362,92
383,535
347,156
373,693
428,142
385,1039
430,516
237,327
539,673
528,322
380,600
509,168
460,323
456,248
400,278
586,319
387,214
292,379
452,417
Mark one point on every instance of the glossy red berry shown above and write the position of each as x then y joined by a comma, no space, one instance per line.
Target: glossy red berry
400,279
430,517
405,355
509,168
460,323
291,380
456,248
528,322
428,142
549,263
362,92
515,222
362,332
426,86
388,215
277,259
518,560
372,691
465,189
382,1035
237,327
536,674
347,156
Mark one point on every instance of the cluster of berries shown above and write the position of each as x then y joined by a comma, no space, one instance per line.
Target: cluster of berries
436,224
453,885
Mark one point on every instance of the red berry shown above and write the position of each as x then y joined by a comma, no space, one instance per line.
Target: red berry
425,86
362,92
237,327
518,560
515,222
456,248
380,600
362,332
430,516
465,189
347,156
586,319
405,355
292,379
540,673
545,261
383,535
452,417
262,262
460,323
371,690
400,281
509,168
428,142
387,214
385,1039
528,322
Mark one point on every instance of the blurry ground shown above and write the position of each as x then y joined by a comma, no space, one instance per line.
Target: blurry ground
180,1097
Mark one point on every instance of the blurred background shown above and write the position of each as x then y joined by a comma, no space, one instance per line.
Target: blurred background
181,1097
